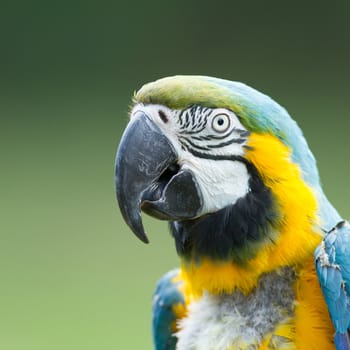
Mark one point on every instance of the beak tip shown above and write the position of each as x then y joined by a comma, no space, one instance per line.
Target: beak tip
141,235
146,240
133,219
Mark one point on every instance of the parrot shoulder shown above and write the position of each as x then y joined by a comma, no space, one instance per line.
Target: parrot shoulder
168,307
332,259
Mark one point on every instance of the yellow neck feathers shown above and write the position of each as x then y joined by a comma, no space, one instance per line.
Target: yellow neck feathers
297,234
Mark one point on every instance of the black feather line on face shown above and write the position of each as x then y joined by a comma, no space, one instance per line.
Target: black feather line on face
227,143
186,142
233,233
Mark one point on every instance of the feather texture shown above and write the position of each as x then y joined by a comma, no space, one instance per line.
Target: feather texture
332,259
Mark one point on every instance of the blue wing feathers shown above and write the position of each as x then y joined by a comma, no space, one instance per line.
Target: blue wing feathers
332,260
167,295
342,341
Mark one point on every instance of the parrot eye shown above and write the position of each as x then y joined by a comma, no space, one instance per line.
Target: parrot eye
221,122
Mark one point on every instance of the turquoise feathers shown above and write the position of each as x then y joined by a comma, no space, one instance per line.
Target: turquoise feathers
332,260
167,295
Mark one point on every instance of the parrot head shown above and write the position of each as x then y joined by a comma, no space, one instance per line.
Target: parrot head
224,164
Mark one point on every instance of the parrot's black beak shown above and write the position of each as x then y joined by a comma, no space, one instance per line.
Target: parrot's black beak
147,176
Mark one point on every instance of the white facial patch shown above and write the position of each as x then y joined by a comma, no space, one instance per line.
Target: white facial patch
209,143
222,182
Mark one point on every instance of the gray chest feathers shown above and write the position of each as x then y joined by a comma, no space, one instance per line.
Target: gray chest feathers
238,321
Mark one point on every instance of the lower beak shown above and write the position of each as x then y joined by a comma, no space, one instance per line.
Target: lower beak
147,176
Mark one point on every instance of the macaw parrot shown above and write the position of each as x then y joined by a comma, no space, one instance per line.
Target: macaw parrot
264,256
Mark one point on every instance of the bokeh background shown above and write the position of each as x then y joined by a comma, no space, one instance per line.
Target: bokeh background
71,274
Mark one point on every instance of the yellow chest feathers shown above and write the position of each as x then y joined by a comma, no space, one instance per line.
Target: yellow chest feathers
285,311
310,328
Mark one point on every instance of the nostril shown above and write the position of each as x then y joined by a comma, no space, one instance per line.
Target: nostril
163,116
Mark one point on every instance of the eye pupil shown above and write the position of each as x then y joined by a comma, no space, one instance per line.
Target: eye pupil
221,122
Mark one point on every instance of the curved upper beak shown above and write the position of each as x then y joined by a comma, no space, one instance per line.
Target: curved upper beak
147,176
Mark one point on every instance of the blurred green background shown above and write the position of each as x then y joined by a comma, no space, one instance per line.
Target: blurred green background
72,276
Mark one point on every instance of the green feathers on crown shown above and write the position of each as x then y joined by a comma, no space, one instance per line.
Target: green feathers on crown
180,92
